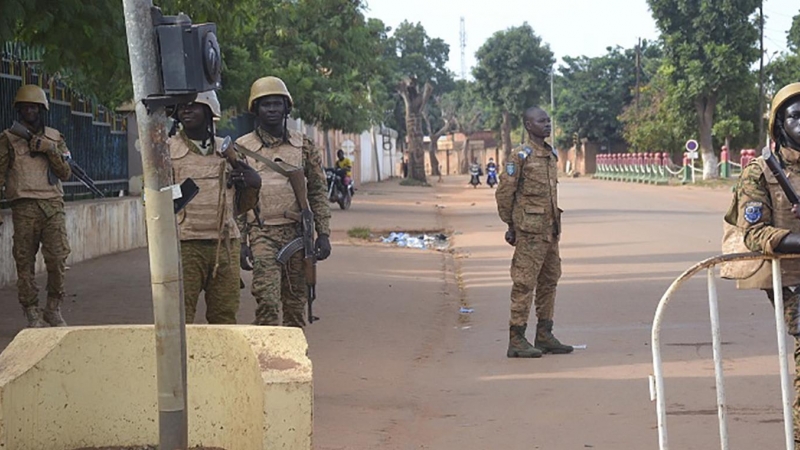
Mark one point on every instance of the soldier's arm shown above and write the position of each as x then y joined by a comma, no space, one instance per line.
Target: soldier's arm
248,196
317,188
5,158
57,157
755,212
507,189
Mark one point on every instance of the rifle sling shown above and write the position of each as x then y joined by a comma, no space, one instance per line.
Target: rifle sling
271,164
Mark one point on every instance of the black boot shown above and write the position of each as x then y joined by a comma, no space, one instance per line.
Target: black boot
546,342
518,346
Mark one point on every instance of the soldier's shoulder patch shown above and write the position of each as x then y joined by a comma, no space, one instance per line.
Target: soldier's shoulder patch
511,168
753,212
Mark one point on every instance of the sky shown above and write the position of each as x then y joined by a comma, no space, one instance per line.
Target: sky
571,27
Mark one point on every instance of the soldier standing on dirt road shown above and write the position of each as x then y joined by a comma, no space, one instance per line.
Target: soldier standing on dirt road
276,287
527,200
768,221
210,237
32,172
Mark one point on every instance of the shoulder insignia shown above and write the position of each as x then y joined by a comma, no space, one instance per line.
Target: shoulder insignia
511,169
753,212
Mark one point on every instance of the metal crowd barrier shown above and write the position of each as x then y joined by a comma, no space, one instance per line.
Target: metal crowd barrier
657,379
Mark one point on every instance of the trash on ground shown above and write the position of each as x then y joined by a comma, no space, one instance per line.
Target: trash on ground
420,241
579,347
466,310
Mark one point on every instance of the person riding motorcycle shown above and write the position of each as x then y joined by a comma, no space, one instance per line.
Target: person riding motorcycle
345,168
491,172
475,173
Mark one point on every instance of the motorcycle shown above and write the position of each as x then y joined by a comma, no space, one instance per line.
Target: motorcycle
475,176
340,187
491,176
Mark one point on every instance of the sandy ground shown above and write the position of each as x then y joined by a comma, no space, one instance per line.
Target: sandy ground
397,366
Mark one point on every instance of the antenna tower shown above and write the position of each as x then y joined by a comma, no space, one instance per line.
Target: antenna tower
463,49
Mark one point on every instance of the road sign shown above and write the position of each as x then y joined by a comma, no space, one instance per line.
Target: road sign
693,155
692,145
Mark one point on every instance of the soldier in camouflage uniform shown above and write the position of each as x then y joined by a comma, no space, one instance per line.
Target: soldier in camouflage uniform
207,227
37,205
769,222
527,200
276,287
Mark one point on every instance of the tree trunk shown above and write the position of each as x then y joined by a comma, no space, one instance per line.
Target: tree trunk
327,144
415,103
705,114
434,150
466,156
505,132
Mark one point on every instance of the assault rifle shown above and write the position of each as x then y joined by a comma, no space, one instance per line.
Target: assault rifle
228,151
305,242
77,171
775,167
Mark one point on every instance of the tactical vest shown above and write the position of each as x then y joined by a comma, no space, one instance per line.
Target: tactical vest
27,174
276,195
782,217
200,219
536,203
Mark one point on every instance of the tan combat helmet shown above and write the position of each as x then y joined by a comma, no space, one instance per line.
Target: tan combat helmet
268,86
209,98
30,93
784,95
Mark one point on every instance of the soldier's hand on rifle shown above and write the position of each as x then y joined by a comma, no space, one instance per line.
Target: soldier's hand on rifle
39,145
323,247
795,211
511,235
246,257
244,176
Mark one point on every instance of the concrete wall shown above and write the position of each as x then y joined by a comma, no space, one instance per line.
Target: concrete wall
94,228
249,388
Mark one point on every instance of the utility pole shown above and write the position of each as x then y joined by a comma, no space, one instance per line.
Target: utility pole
463,44
638,66
553,106
761,75
162,231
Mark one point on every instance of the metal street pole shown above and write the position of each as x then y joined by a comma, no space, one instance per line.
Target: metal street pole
162,232
553,107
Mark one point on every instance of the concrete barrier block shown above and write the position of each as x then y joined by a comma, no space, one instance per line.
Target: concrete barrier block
62,389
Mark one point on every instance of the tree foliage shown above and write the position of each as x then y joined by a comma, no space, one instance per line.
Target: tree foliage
709,45
594,91
512,73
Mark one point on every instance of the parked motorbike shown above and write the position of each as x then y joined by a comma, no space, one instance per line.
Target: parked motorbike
491,176
340,187
475,176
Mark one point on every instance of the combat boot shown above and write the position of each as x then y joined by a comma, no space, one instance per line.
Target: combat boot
34,316
518,346
546,342
52,313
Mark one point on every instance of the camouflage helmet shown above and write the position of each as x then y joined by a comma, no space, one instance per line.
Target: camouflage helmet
30,93
209,98
268,86
786,93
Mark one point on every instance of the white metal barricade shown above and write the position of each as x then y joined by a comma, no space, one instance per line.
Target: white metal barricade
657,379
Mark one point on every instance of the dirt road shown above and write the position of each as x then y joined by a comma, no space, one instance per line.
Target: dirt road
397,366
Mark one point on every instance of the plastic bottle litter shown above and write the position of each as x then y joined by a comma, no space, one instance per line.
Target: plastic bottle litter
466,310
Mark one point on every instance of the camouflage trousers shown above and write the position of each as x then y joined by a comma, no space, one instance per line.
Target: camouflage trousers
198,258
791,315
39,223
536,267
277,288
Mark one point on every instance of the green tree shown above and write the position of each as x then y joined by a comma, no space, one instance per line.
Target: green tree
793,35
468,113
708,45
418,69
658,124
594,91
513,73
